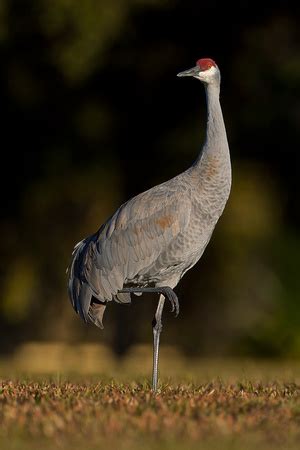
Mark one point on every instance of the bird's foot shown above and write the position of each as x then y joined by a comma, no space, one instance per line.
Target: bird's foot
168,293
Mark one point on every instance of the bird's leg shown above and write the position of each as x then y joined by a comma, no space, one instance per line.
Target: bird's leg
166,291
157,327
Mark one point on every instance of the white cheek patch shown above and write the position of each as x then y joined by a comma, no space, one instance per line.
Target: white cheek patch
208,74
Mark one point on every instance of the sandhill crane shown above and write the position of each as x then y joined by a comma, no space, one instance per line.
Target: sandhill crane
153,239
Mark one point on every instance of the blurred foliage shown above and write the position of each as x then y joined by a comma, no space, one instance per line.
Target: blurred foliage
93,114
82,32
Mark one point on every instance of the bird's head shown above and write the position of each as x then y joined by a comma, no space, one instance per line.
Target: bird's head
206,70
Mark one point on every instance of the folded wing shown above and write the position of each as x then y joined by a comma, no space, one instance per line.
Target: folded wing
126,245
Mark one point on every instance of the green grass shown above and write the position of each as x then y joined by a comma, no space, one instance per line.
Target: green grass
208,404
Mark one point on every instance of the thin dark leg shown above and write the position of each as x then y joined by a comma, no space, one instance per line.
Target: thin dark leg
157,327
166,291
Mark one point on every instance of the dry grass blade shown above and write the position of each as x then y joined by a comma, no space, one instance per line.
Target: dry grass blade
88,414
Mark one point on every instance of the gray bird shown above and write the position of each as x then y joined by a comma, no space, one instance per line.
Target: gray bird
153,239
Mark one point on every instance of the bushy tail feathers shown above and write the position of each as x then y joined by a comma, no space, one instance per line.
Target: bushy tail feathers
80,292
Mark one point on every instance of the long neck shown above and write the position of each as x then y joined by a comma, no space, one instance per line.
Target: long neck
215,145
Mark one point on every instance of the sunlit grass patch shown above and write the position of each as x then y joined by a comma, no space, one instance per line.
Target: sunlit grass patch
129,415
83,397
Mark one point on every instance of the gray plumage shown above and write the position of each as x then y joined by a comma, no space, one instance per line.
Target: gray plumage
154,238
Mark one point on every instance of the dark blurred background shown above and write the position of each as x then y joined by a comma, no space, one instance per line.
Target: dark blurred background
93,113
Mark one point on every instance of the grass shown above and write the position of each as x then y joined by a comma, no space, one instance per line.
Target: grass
214,405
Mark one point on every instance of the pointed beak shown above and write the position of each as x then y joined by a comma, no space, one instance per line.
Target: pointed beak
190,72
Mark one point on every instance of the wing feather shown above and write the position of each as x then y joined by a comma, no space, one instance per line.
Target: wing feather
132,240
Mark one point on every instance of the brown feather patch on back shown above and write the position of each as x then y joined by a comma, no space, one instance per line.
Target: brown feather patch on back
165,221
